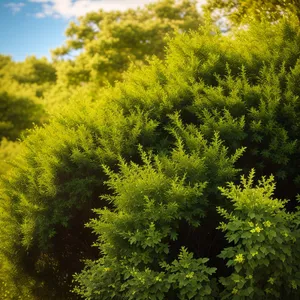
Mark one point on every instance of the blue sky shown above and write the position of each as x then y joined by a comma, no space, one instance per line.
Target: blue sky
24,34
33,27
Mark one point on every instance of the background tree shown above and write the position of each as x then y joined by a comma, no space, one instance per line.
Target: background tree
109,41
17,114
22,87
22,105
239,11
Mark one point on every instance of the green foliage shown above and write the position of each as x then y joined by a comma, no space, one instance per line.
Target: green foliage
110,41
34,70
22,86
238,102
152,202
240,11
17,114
8,151
265,243
190,277
4,61
14,282
214,98
185,278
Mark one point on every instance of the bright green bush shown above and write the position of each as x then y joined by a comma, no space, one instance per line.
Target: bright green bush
211,99
154,206
263,238
265,243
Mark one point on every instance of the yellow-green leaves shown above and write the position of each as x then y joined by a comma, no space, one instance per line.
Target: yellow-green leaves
264,242
243,11
111,41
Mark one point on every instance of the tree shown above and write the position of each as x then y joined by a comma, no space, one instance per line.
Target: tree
17,114
22,87
4,61
108,42
239,11
34,70
29,72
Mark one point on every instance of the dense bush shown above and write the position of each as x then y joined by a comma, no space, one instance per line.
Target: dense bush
266,243
160,208
156,148
138,252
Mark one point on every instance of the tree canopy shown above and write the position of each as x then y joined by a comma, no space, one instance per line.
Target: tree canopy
108,42
240,11
22,85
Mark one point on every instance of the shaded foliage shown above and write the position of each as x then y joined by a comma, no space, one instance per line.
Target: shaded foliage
17,114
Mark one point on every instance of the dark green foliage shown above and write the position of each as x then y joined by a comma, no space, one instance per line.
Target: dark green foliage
22,86
18,114
8,151
149,155
34,70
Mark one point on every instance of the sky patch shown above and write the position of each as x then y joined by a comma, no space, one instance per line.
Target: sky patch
15,7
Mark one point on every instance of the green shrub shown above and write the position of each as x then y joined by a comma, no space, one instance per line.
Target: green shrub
265,243
211,99
154,206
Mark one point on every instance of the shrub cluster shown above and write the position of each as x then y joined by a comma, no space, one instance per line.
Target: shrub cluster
148,155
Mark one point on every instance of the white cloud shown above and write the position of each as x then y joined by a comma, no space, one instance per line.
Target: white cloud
71,8
15,7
